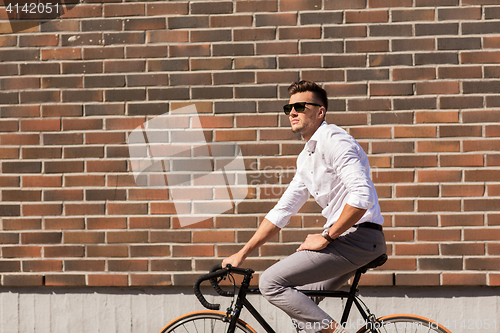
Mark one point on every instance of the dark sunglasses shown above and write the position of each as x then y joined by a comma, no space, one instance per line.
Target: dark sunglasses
299,107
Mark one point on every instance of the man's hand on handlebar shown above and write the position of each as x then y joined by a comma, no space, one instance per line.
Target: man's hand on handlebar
235,260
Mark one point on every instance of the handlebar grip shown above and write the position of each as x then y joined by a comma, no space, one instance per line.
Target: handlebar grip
214,284
198,293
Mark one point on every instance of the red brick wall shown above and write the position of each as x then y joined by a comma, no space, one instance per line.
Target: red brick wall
416,83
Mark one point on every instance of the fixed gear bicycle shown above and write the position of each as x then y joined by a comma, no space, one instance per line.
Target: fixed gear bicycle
229,322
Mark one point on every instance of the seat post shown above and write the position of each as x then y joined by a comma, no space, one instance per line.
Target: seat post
352,295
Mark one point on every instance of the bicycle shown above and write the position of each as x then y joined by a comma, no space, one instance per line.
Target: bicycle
229,322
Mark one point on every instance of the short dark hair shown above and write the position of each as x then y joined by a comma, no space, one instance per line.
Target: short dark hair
303,86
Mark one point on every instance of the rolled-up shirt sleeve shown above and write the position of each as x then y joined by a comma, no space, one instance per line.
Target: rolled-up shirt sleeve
353,169
289,204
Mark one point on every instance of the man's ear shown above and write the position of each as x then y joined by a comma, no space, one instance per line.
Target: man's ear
322,112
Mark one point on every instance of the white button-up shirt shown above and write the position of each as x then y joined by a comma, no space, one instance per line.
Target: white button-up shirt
334,169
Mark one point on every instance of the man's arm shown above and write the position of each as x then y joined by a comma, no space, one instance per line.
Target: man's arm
349,216
265,232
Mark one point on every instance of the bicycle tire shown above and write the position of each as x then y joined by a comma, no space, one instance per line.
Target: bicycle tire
401,323
204,322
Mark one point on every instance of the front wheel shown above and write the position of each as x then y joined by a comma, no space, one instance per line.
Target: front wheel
400,323
204,322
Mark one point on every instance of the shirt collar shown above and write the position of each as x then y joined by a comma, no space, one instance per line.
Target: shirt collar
311,144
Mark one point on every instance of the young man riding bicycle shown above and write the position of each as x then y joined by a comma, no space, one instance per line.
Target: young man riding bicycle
334,169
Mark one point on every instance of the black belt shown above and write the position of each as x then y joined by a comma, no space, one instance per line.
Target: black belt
369,225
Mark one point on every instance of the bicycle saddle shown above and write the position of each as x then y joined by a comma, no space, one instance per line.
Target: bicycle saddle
379,261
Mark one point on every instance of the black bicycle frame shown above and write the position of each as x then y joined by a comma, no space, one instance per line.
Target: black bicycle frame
241,301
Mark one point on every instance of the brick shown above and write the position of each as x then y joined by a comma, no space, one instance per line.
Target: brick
21,195
95,223
183,22
170,36
175,265
413,74
426,117
462,160
417,191
365,16
124,66
480,116
84,265
255,92
152,280
61,54
390,89
127,265
39,96
440,263
426,176
478,145
437,58
481,205
21,251
10,266
480,28
465,102
189,50
83,237
350,31
23,111
392,176
39,125
479,57
21,167
462,249
366,46
431,279
463,279
481,263
17,83
255,63
45,265
413,44
9,238
64,280
42,181
127,209
427,220
391,30
415,131
175,8
438,234
275,19
223,21
105,280
20,224
192,250
438,146
347,89
416,249
459,72
63,166
84,209
437,87
17,280
233,49
64,223
397,205
19,55
392,147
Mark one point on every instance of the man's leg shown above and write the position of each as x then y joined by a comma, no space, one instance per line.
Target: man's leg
341,258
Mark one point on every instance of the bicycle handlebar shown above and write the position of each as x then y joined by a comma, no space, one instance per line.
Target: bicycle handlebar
215,272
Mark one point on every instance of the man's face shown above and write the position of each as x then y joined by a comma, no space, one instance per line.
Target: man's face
308,121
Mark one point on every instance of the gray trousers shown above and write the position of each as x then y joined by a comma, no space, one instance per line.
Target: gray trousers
327,269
